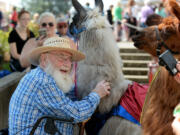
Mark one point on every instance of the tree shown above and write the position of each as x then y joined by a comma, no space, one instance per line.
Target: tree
54,6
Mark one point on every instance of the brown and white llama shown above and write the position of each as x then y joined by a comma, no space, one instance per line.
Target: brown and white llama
164,93
102,62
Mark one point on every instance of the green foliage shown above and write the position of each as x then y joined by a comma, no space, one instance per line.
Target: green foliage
54,6
4,49
5,66
4,45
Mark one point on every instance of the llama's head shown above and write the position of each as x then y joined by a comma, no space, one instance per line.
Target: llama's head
88,19
168,31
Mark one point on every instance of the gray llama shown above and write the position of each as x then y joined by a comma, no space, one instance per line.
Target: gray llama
102,62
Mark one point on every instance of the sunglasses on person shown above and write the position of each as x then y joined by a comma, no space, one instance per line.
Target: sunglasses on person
45,24
62,25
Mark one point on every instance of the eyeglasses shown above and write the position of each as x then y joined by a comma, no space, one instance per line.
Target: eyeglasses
64,25
45,24
61,57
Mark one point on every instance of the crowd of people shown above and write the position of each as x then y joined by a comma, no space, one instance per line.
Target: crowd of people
21,30
132,14
23,27
49,88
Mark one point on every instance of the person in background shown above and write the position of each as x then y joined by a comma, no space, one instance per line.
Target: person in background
117,19
63,28
17,39
1,17
49,90
14,17
87,6
145,12
48,23
109,14
130,18
161,10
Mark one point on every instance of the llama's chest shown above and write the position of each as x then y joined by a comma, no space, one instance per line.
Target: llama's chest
89,75
129,108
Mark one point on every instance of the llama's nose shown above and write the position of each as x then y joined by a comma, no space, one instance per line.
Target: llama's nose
136,37
140,33
137,32
136,44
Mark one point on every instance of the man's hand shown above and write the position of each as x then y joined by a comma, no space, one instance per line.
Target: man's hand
102,88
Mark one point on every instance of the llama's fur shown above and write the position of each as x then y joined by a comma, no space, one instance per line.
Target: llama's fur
164,94
103,62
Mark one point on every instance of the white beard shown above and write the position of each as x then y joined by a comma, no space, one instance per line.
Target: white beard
63,81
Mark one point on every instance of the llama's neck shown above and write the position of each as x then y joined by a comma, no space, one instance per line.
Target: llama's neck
100,47
102,62
163,96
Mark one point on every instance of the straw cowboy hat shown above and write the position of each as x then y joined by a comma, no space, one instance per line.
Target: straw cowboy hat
55,44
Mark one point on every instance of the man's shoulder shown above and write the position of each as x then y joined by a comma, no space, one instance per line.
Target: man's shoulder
37,75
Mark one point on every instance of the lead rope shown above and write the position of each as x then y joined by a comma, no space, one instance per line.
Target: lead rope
147,96
82,124
76,94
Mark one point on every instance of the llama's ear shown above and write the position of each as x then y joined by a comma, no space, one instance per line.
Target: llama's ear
174,8
99,3
79,8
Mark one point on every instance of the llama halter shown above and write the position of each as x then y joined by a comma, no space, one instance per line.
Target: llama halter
162,43
78,31
166,59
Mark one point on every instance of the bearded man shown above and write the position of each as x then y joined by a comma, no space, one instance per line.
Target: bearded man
49,90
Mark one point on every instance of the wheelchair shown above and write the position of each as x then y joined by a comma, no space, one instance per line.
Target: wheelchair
49,126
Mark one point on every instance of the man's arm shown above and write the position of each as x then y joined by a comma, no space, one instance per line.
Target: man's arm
52,101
